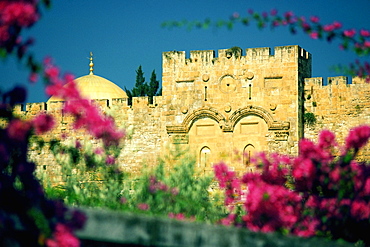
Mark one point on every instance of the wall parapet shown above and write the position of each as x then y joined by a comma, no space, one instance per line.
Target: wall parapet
261,53
109,228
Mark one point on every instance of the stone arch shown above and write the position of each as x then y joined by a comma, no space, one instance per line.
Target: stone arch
205,112
260,112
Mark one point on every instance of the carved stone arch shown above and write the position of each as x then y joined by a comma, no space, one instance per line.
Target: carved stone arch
205,112
260,112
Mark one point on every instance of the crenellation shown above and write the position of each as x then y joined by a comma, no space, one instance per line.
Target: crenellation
140,102
338,80
228,102
205,57
36,107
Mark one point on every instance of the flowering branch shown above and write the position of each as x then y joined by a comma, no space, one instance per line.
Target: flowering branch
357,41
327,196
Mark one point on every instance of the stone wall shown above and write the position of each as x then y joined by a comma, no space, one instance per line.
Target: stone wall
113,229
338,106
221,106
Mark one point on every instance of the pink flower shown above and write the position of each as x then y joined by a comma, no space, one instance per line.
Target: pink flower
288,15
366,44
307,227
18,129
349,33
110,160
337,25
62,237
229,220
358,137
328,28
367,187
271,207
304,172
360,210
306,27
123,200
20,13
314,19
43,123
326,139
273,12
33,77
98,151
143,206
335,175
364,33
314,35
51,72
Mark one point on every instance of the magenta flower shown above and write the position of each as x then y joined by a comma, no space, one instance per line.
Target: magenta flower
314,19
364,33
98,151
326,139
110,160
360,209
329,28
123,200
273,12
43,123
349,33
62,237
19,13
337,25
143,206
33,77
314,35
288,15
358,137
18,129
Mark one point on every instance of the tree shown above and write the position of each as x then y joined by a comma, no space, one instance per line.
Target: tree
140,88
153,87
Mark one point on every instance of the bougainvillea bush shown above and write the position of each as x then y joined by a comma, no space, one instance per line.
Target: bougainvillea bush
27,216
316,193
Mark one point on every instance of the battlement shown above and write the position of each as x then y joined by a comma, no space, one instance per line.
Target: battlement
335,81
209,56
34,108
319,81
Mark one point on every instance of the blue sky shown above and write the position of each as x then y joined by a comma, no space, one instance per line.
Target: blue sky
124,34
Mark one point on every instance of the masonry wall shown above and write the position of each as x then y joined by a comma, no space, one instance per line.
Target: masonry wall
218,90
338,106
220,106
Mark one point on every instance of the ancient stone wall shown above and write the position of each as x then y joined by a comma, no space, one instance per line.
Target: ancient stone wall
338,105
234,101
221,106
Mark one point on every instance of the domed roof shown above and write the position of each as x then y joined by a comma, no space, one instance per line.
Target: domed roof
96,87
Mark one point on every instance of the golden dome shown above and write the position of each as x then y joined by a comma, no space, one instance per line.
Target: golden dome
96,87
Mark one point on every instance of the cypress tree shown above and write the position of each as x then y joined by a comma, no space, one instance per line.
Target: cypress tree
153,87
141,87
